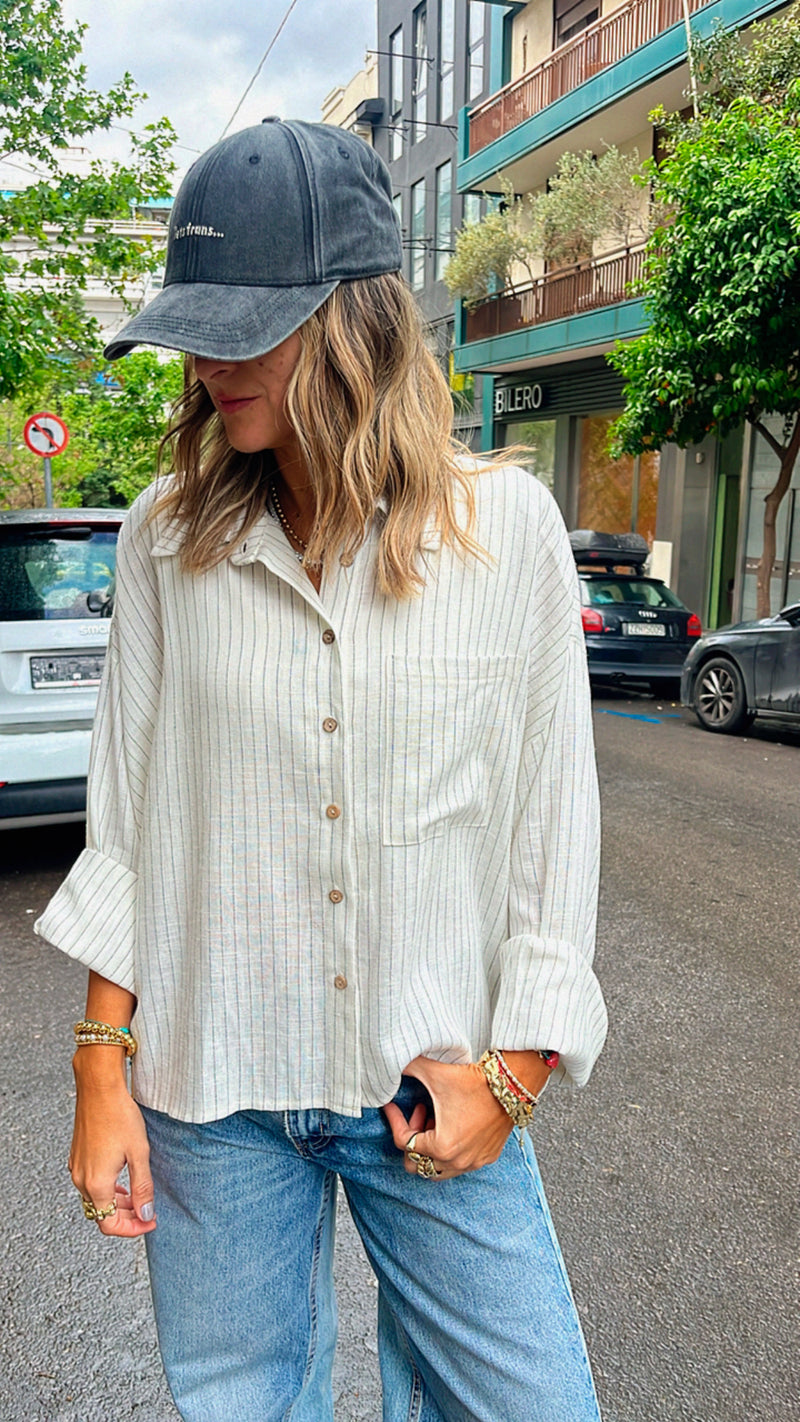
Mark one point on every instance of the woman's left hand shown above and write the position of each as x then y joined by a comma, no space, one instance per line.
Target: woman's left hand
469,1127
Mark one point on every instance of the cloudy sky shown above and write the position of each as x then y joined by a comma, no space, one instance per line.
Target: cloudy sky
194,58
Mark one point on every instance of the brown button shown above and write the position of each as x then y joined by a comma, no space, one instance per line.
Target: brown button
340,981
329,724
329,635
333,812
336,896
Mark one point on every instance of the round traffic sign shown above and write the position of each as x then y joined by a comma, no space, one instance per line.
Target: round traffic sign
45,435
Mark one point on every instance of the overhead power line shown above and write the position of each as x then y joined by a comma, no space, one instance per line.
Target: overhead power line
261,64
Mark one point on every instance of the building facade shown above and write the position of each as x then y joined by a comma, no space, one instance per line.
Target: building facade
434,58
578,75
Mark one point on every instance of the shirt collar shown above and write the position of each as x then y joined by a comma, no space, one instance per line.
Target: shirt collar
170,537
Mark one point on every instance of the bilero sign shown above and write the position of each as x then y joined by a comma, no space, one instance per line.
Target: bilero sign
517,399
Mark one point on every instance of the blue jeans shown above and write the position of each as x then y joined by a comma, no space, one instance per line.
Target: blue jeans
476,1318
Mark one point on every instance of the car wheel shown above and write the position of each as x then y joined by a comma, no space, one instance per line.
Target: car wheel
720,703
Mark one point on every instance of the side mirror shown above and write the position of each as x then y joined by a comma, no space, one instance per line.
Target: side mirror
791,614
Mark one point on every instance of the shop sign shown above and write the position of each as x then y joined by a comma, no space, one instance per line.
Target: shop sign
517,399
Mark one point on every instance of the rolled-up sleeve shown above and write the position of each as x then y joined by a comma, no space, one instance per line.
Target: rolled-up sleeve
92,917
548,996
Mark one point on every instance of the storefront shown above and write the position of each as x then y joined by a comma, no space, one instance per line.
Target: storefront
702,507
561,418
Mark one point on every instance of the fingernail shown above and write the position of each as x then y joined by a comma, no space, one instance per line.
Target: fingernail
147,1212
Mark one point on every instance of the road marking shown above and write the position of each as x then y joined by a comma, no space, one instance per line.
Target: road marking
630,716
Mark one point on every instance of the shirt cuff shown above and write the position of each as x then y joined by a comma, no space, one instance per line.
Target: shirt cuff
549,999
92,917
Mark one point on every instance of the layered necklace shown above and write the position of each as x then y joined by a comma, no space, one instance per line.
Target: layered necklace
290,532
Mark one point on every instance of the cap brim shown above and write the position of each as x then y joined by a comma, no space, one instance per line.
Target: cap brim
220,322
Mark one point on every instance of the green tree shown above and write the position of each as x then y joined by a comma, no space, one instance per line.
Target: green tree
760,63
57,232
115,418
722,289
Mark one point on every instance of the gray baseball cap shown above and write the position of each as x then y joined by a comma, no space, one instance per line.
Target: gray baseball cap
265,226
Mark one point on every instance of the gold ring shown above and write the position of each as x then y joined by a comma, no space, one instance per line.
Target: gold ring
91,1211
409,1145
426,1166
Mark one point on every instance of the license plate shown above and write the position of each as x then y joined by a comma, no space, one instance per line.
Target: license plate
644,629
54,673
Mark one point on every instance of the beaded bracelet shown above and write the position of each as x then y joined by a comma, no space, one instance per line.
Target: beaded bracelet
515,1082
103,1034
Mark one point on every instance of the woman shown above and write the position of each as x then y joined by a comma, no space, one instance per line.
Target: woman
341,863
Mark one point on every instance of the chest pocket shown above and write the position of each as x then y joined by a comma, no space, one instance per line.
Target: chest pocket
449,725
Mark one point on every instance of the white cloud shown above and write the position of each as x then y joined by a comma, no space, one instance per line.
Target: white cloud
194,59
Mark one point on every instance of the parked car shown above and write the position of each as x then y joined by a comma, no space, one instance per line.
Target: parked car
636,629
750,669
56,592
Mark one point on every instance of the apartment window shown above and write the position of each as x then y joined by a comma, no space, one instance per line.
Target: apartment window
397,203
419,99
472,208
476,53
444,217
396,91
477,206
572,16
447,57
418,235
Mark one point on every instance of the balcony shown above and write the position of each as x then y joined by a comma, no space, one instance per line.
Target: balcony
599,46
571,291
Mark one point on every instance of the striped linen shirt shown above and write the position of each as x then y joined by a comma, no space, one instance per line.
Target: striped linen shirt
330,832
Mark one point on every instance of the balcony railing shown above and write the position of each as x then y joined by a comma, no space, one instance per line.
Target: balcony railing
569,292
595,48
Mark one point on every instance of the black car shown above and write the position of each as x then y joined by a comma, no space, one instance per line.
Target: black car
748,670
636,629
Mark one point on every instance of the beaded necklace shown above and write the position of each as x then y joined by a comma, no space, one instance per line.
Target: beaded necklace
287,527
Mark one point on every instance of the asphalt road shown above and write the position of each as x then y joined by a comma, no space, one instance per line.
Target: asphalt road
672,1176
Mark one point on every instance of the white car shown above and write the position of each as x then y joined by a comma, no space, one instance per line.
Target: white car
56,595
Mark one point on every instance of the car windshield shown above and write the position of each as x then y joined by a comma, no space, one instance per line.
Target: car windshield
56,574
628,591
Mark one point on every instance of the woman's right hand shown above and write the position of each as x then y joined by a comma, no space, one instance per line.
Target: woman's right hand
110,1134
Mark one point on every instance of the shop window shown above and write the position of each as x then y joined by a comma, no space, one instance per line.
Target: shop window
615,495
572,16
538,438
785,584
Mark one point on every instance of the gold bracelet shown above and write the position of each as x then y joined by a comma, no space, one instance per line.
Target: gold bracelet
90,1033
520,1111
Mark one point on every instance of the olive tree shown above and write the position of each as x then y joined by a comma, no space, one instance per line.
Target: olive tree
588,200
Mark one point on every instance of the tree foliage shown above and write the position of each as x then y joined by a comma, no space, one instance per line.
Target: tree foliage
588,200
722,291
761,66
115,418
56,231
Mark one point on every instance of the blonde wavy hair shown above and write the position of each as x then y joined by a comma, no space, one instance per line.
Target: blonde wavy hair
373,415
